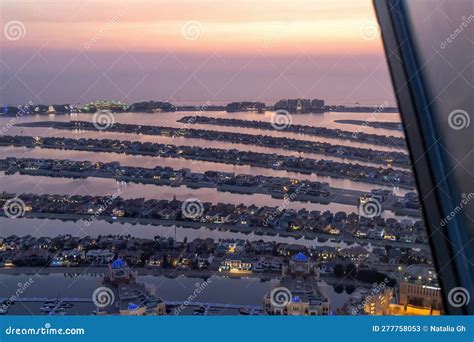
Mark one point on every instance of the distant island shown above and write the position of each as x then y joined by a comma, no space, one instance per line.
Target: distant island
292,106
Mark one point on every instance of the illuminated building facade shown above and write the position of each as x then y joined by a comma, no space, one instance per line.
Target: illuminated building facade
306,300
301,265
236,265
129,298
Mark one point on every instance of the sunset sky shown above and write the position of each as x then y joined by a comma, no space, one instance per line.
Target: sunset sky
190,51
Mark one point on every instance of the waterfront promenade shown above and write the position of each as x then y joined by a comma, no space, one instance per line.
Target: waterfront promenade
171,273
206,306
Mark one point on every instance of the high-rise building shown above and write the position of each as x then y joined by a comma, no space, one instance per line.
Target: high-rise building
379,303
419,292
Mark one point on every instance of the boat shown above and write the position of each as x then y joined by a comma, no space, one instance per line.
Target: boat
200,310
50,306
245,311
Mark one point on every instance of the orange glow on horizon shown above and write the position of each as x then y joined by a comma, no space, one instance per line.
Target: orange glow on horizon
265,27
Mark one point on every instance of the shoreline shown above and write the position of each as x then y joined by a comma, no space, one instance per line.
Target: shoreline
300,129
226,228
78,271
223,108
130,151
337,195
303,146
392,126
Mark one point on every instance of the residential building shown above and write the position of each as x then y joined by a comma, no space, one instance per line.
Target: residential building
129,297
306,300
